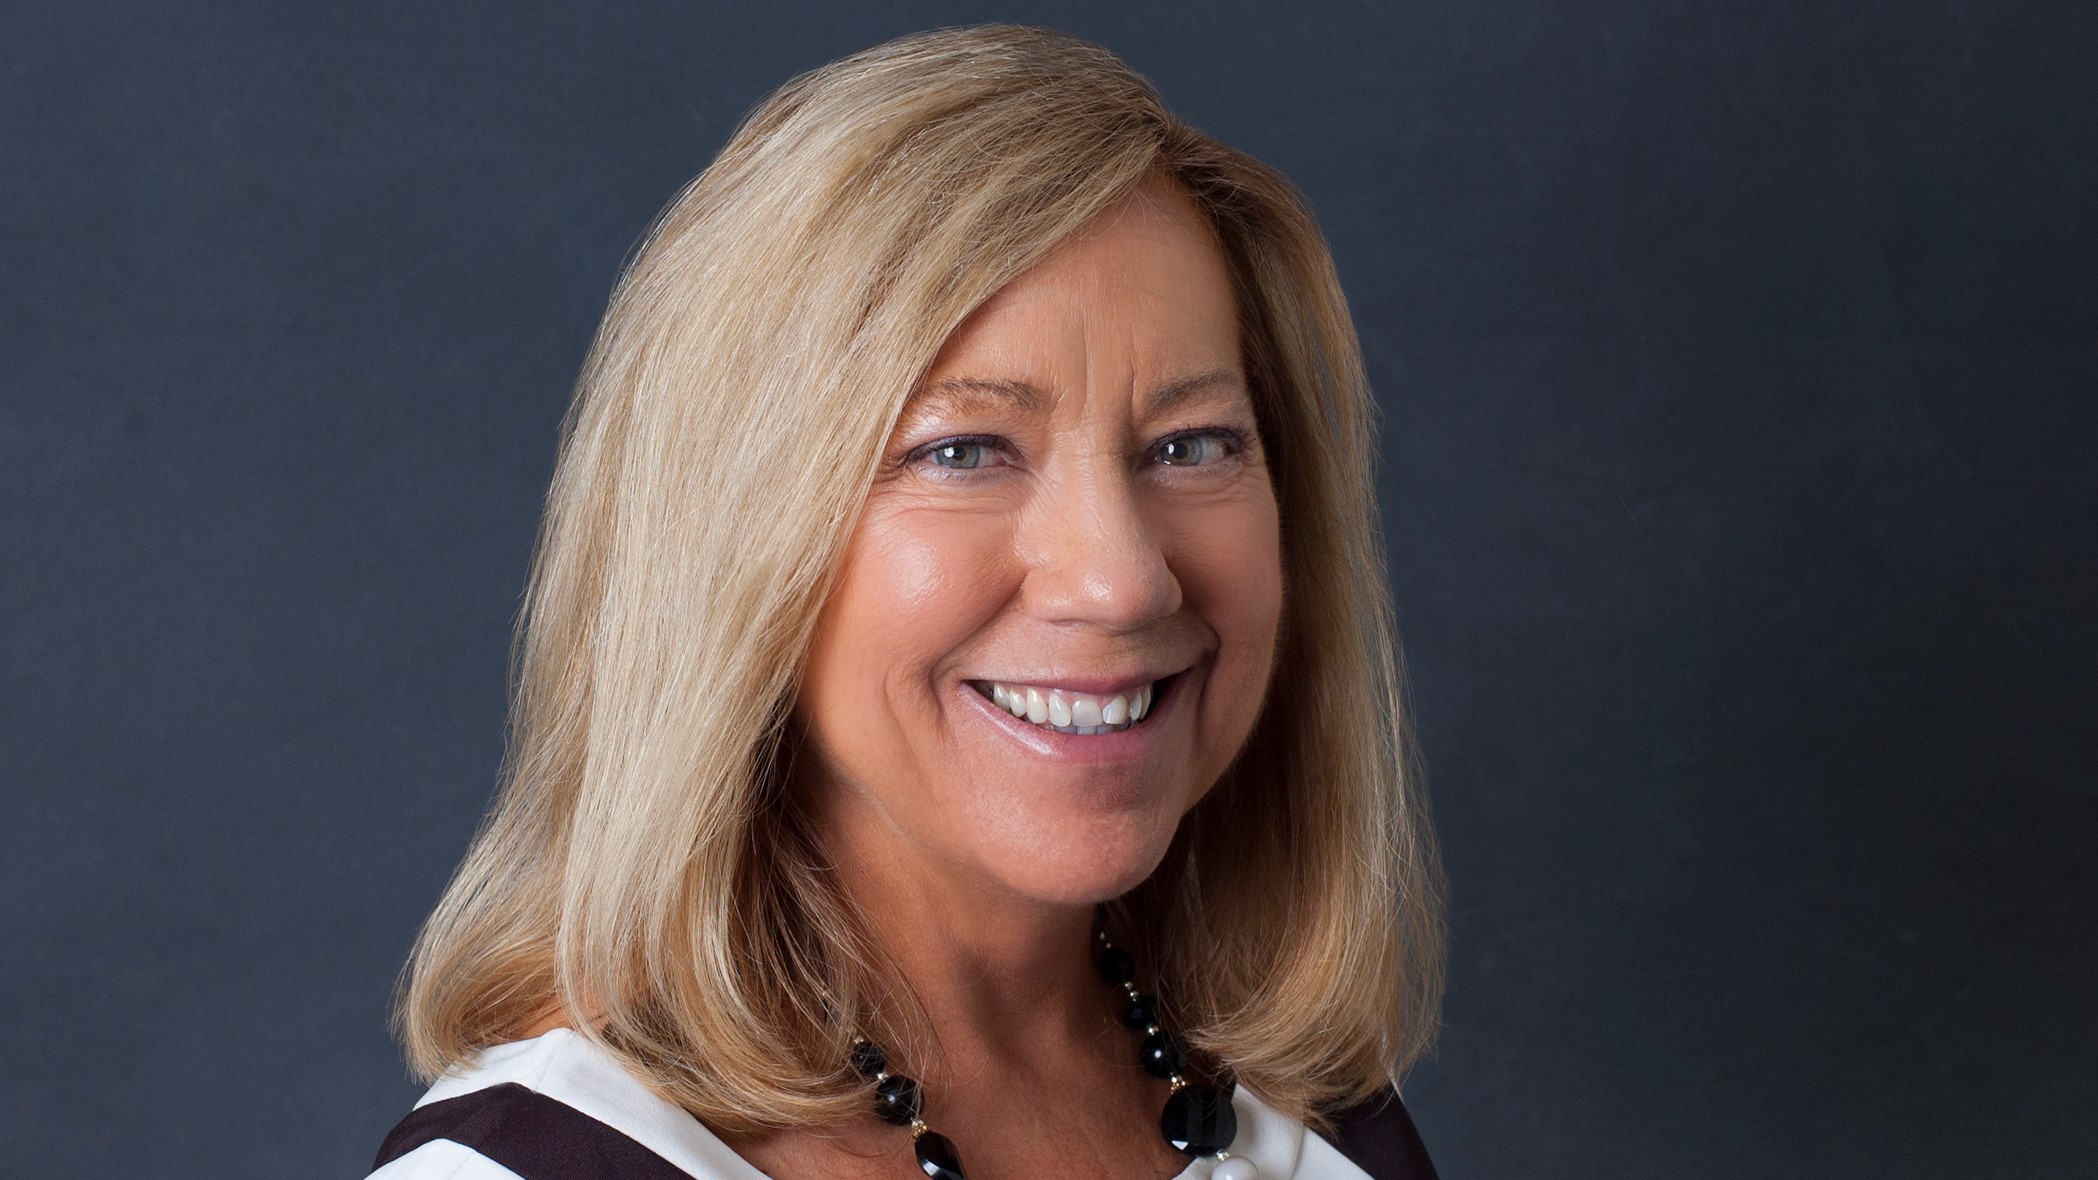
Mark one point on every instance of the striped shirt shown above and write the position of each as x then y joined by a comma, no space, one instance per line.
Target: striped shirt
558,1107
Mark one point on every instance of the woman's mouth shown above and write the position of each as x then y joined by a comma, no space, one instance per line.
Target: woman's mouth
1066,711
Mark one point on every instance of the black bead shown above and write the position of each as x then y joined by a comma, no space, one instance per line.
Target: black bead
1116,965
897,1100
868,1059
1141,1013
1162,1056
937,1157
1199,1120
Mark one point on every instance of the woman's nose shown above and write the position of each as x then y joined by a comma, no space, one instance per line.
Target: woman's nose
1092,554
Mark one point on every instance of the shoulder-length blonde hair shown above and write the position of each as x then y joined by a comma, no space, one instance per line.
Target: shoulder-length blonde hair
642,864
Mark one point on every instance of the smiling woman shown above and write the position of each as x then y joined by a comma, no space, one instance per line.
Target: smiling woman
1056,619
960,586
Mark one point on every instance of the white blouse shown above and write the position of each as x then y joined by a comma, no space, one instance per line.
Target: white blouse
568,1068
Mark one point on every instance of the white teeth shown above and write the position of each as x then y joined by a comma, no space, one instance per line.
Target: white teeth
1071,712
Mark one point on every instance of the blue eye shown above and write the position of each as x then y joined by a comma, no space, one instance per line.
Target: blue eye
960,455
1193,450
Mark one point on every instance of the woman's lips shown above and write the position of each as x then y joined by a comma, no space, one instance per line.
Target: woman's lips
1067,710
1107,743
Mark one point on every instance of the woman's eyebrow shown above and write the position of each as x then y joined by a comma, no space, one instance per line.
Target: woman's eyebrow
1169,396
952,392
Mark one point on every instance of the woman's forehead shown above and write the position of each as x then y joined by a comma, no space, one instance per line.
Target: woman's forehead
1141,301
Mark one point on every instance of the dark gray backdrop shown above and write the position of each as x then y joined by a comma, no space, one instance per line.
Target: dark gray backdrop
1737,364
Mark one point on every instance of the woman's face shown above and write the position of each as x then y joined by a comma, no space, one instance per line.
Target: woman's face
1057,616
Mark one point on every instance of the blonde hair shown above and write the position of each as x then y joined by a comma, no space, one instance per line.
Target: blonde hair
642,864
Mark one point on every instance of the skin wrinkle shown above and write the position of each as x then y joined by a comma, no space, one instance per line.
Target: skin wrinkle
977,846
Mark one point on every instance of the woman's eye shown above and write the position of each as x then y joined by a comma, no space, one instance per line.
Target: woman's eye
961,455
1193,450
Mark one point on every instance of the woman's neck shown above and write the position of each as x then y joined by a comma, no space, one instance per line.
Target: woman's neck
1002,979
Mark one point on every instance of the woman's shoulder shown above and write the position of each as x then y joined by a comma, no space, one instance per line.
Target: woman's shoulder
1373,1141
1379,1137
559,1107
443,1159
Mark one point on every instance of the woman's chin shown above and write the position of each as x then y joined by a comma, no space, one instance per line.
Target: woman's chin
1063,872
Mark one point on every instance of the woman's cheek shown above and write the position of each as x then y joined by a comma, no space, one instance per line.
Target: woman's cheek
1231,561
940,570
1232,558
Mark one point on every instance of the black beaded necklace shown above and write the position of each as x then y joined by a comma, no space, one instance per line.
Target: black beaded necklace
1198,1119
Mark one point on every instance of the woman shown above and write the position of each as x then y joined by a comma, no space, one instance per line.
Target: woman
955,709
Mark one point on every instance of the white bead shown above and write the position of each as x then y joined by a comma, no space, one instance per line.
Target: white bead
1236,1168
